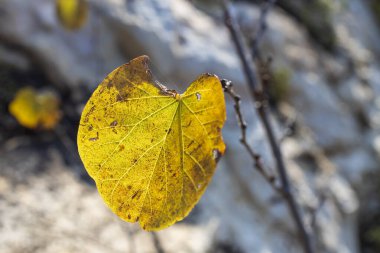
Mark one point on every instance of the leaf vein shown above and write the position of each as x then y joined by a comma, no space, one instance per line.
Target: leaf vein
116,148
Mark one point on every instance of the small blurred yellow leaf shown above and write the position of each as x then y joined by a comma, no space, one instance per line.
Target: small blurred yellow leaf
35,110
151,151
72,13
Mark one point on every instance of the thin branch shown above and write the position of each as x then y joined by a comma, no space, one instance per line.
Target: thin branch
262,28
157,243
264,73
228,88
261,107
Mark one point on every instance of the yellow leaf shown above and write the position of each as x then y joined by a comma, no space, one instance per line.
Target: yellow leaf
35,110
151,151
72,13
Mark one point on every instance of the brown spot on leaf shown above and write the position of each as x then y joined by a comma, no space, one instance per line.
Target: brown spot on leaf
114,123
109,82
192,141
94,138
119,98
189,123
89,113
195,149
134,195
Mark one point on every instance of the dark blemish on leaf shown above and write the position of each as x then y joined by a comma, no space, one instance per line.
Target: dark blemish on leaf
216,154
198,95
129,216
114,123
134,160
192,141
90,127
195,149
169,130
121,147
137,219
174,174
119,98
89,113
151,141
206,162
109,82
94,138
129,187
189,123
135,194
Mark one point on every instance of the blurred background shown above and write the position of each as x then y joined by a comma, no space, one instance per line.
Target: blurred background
324,99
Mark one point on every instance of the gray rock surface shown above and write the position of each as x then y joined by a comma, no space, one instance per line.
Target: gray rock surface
53,211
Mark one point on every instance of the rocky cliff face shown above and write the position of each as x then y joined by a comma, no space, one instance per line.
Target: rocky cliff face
330,85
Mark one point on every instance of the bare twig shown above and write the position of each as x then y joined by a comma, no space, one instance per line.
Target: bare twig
157,243
228,88
264,74
261,107
255,43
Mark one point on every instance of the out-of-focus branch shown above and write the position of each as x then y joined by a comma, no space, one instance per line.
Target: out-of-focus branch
157,243
228,88
255,43
261,107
